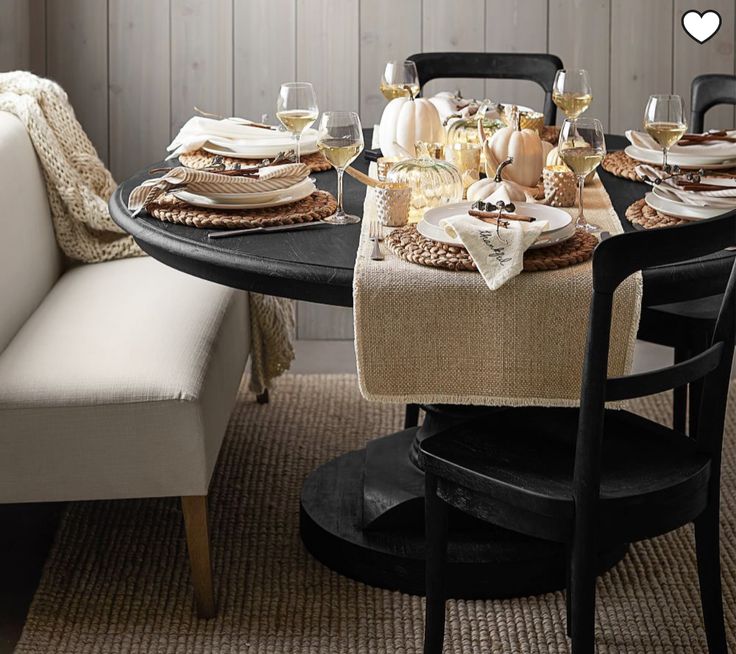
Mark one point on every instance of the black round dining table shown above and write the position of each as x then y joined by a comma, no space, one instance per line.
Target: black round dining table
362,513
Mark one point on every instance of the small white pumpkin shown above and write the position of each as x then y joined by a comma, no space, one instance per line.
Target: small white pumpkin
524,146
484,188
554,159
405,122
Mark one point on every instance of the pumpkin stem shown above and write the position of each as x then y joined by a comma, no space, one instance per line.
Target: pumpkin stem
501,166
515,118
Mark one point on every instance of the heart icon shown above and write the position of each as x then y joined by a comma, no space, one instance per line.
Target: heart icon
701,27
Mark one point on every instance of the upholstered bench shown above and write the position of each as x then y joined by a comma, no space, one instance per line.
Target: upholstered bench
117,379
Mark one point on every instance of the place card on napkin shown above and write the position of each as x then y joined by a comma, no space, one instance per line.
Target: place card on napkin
229,131
269,178
498,252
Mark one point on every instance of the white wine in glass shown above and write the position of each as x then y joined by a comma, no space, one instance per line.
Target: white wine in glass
582,146
400,79
664,121
340,141
571,92
296,109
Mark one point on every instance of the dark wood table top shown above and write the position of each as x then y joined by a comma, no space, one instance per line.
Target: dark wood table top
317,264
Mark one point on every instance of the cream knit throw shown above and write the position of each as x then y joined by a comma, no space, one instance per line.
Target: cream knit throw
79,187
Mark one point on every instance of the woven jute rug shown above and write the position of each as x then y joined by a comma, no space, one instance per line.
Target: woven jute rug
117,577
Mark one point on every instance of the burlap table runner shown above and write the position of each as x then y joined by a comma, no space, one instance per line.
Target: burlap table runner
425,335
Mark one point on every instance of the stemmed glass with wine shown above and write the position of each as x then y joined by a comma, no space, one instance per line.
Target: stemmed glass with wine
400,79
571,92
664,121
296,109
340,140
582,146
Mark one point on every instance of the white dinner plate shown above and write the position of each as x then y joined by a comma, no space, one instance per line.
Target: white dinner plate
263,196
680,210
256,149
684,162
206,203
559,228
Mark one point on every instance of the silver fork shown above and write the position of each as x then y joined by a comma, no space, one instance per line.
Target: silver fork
375,234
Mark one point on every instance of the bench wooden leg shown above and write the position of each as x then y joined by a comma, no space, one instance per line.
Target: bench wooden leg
198,544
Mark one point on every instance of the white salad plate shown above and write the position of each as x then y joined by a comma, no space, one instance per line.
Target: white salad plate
559,227
683,161
260,148
286,196
263,196
679,209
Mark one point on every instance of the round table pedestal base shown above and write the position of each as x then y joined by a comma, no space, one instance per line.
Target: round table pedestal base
484,561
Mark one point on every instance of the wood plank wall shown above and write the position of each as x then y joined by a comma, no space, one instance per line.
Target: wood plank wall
134,69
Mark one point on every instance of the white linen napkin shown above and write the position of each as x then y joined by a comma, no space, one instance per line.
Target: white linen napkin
712,149
725,199
226,132
497,252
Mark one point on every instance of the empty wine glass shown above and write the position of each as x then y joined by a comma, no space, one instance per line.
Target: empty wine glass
296,109
582,146
664,121
340,140
571,91
400,78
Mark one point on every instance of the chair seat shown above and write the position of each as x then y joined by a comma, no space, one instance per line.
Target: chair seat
120,384
520,463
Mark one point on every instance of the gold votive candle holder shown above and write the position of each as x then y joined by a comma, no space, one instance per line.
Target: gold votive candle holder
384,164
466,158
560,186
392,204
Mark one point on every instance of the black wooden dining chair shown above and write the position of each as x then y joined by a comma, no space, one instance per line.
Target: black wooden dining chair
688,325
535,67
593,476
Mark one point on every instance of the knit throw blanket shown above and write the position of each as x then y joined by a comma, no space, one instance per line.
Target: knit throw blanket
79,187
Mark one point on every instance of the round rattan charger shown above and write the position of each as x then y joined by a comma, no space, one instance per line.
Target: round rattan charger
408,244
317,206
640,213
201,159
620,164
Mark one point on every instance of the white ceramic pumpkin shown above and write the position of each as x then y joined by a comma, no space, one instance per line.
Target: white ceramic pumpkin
405,122
484,188
524,146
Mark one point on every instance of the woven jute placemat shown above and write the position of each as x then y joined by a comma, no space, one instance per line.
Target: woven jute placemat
200,159
317,206
640,213
620,164
408,244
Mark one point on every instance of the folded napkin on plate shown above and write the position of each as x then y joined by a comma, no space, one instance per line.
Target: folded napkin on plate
725,199
498,252
270,178
711,149
229,131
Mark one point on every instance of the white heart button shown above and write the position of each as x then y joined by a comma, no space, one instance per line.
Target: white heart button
703,26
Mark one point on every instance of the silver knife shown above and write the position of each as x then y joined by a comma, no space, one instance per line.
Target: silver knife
263,230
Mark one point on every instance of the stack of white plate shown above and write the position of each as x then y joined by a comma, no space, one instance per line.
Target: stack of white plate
684,161
254,148
560,226
261,200
698,206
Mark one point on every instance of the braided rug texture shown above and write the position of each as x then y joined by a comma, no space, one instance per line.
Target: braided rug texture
117,579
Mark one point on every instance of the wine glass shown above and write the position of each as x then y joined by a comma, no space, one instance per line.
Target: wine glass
571,91
340,140
296,109
664,121
400,78
582,146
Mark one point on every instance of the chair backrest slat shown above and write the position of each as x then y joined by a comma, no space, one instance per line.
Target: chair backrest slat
535,67
707,91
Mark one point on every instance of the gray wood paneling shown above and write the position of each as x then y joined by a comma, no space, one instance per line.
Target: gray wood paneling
140,107
388,30
201,58
265,54
76,42
15,32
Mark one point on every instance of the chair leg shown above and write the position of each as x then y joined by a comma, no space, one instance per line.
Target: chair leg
679,395
411,417
198,544
435,515
582,585
707,547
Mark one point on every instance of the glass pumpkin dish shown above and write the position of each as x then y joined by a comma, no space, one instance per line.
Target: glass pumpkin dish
465,130
433,182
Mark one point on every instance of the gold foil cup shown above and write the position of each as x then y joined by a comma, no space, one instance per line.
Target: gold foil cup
466,158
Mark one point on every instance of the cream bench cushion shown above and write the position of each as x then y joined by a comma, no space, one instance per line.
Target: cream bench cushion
120,384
